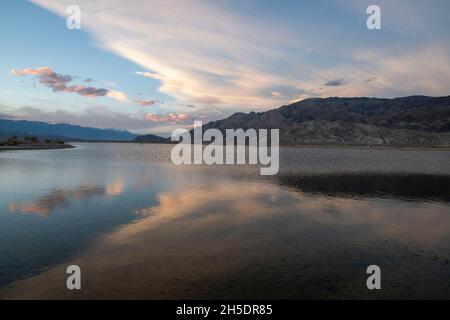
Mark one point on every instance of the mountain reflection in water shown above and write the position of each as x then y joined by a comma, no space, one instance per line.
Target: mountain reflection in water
413,187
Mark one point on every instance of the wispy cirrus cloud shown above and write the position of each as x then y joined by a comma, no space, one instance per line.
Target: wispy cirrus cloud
207,56
212,54
148,74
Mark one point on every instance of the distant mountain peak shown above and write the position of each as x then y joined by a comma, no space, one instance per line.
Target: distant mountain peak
151,138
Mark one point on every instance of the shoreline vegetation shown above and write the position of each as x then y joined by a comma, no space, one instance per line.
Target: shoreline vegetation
32,143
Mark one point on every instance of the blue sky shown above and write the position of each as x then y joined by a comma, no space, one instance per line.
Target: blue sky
152,66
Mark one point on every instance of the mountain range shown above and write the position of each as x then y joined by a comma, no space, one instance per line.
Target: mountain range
61,131
414,120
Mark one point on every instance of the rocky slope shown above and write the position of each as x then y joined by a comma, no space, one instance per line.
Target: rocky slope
415,120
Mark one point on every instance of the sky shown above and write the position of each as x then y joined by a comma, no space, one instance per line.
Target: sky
150,66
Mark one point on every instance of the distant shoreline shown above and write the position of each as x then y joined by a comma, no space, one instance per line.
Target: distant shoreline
315,146
348,146
12,148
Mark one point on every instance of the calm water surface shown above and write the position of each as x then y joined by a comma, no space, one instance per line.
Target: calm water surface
140,227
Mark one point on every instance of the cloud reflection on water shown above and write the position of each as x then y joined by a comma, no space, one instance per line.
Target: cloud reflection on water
232,204
58,198
62,198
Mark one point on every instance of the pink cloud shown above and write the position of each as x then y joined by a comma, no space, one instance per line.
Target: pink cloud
60,82
87,91
172,118
32,72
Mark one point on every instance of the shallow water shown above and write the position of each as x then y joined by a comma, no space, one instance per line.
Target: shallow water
140,227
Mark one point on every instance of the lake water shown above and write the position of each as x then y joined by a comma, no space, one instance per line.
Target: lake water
141,227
